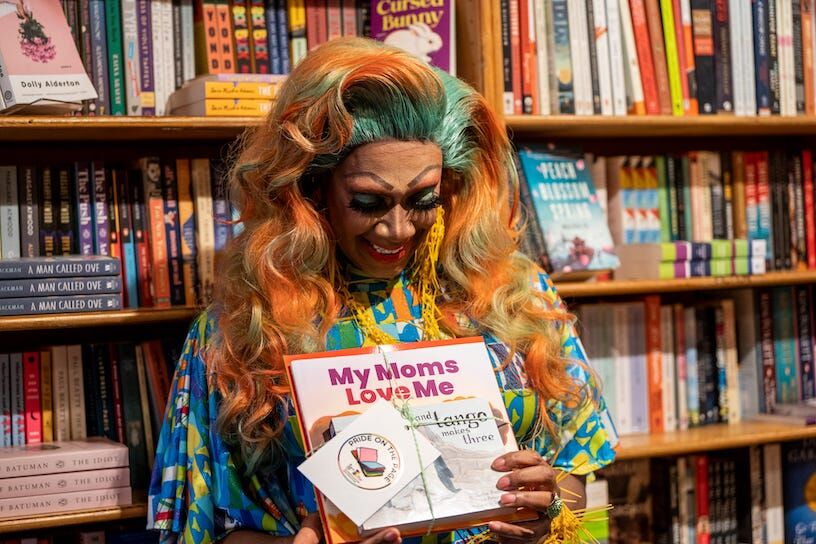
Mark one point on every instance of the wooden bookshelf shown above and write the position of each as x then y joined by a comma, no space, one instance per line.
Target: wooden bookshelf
644,287
52,521
143,316
658,126
709,438
43,129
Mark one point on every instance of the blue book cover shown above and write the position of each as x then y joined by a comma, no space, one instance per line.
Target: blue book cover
283,35
784,340
127,241
575,230
272,39
761,66
799,484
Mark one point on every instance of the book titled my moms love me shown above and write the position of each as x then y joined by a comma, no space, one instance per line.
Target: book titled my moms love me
39,63
446,393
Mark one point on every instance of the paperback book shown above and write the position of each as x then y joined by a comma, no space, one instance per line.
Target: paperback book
60,457
450,390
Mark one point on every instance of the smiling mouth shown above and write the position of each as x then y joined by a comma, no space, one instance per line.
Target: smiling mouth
384,254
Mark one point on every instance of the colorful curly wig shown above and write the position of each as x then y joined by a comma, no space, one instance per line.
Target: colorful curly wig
276,291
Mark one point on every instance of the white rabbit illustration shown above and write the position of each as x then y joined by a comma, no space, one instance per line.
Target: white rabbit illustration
418,39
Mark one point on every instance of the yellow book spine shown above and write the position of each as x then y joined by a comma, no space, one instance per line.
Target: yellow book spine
672,57
297,30
46,410
244,89
224,107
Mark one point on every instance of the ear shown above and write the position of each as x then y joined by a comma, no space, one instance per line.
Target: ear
419,29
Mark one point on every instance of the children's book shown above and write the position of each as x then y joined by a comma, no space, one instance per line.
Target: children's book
576,235
447,393
39,63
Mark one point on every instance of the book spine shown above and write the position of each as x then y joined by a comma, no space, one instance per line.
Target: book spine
561,52
173,234
798,226
260,50
672,57
64,502
724,85
654,356
763,198
804,339
621,59
807,56
131,63
349,18
47,484
59,304
46,396
141,241
282,16
76,393
24,288
66,232
810,217
62,418
128,253
683,50
9,214
774,514
658,56
17,386
47,216
66,266
703,26
85,49
240,38
701,465
99,56
150,446
117,412
774,81
160,82
28,197
154,220
177,45
272,39
100,202
132,412
785,355
90,390
116,73
5,400
205,228
798,57
84,209
225,33
186,222
759,13
737,56
187,41
721,374
31,394
528,58
681,366
787,70
144,32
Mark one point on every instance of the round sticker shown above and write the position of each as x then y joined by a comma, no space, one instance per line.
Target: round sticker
369,461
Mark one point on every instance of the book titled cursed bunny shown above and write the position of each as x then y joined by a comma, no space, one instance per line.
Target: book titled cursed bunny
425,29
442,393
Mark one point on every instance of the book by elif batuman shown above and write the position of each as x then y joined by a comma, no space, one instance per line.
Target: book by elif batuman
449,389
59,457
39,63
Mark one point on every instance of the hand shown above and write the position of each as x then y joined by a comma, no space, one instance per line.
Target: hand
389,535
311,532
530,483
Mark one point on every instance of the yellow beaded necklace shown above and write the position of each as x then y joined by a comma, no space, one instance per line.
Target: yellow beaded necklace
424,275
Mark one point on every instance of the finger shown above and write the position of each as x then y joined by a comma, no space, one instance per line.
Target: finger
540,477
517,459
508,530
535,500
311,531
390,535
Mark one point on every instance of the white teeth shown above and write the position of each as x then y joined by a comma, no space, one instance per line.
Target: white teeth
384,251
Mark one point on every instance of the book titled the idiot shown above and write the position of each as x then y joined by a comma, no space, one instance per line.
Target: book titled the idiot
446,392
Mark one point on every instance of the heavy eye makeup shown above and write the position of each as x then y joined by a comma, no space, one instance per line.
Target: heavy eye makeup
373,204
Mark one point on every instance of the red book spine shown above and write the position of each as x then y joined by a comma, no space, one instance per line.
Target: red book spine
515,51
334,19
349,19
810,220
317,31
205,16
240,36
529,73
116,391
31,397
661,71
644,54
654,364
703,529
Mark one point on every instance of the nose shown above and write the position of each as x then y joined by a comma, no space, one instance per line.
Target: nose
396,225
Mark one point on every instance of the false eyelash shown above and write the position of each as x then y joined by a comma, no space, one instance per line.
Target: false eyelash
368,209
426,206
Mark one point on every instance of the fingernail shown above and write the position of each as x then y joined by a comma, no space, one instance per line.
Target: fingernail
391,536
503,483
499,464
508,499
493,526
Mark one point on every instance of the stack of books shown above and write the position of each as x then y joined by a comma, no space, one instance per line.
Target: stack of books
670,260
219,95
48,285
63,477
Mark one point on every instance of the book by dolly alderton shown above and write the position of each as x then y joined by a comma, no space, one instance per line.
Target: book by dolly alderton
450,390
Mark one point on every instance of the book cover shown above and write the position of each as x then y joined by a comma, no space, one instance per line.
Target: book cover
59,304
64,502
48,484
59,457
799,482
576,233
38,59
59,267
416,375
424,30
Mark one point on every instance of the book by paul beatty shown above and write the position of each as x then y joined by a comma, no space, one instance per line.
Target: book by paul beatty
450,390
39,63
576,234
425,29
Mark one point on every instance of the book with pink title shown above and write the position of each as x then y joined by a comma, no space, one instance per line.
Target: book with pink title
425,29
58,457
48,484
64,502
442,384
39,62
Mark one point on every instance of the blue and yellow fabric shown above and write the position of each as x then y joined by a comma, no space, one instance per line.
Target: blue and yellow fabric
198,492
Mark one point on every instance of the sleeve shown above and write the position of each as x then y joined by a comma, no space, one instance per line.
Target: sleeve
587,436
196,493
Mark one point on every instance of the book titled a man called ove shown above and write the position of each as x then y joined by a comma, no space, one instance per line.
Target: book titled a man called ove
40,68
447,391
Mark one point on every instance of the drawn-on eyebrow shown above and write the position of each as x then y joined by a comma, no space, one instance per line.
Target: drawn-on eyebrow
380,181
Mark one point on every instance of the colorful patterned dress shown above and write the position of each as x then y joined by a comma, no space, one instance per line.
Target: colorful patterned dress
197,493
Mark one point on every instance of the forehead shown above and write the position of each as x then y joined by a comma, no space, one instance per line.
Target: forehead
392,157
